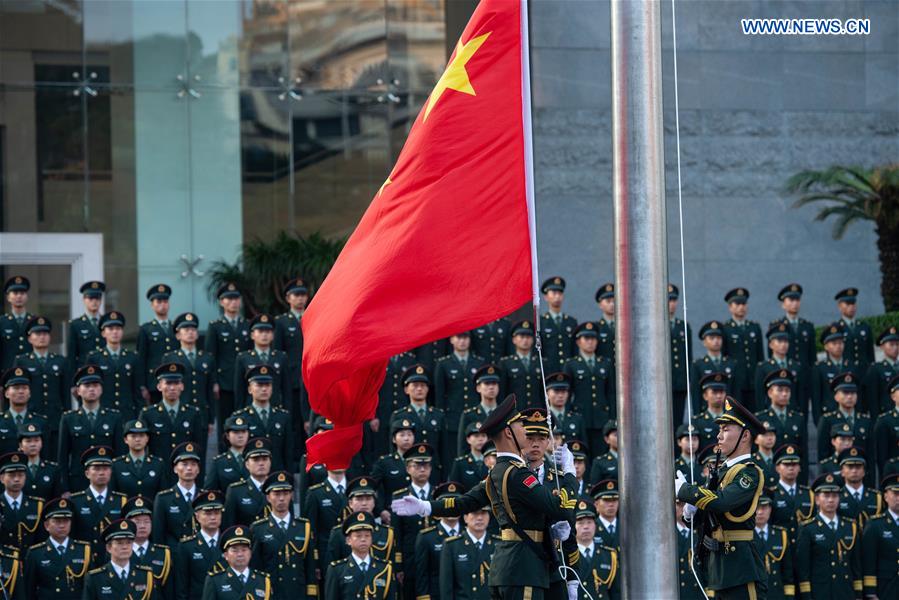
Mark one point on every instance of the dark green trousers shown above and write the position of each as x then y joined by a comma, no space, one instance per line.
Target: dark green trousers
748,591
517,593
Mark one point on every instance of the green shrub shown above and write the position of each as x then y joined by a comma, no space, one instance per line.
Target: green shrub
878,323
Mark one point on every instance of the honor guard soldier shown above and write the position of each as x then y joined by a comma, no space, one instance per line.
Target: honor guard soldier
265,420
454,389
20,515
712,336
556,328
842,437
766,442
228,467
845,393
55,568
17,391
713,388
419,460
880,546
360,574
289,340
121,577
361,497
877,379
154,339
13,339
606,502
802,332
681,355
579,452
834,363
391,397
857,501
743,343
688,442
199,367
89,426
778,343
792,503
96,506
828,553
569,422
598,565
237,581
244,500
389,471
173,507
430,422
155,557
469,469
429,544
120,368
42,479
200,554
592,380
776,551
84,332
733,567
605,299
789,425
137,472
521,369
262,353
486,384
225,339
50,394
859,337
605,466
170,421
465,559
493,340
886,429
282,543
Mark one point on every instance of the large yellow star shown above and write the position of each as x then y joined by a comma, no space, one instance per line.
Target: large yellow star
456,77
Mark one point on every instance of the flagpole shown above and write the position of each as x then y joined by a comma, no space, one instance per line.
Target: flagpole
642,332
529,155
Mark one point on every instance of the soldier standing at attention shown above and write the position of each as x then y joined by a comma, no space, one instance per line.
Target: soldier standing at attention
713,388
569,422
267,421
429,544
598,566
137,472
121,577
845,392
430,422
84,332
55,569
793,503
13,340
493,340
465,559
712,336
486,384
777,552
199,368
857,501
289,340
824,371
200,554
42,479
778,347
389,471
859,337
262,353
681,355
454,389
50,376
154,339
879,375
228,467
605,298
17,392
886,429
173,508
361,497
360,575
789,425
743,343
802,332
391,397
556,328
245,501
469,469
156,557
120,368
237,581
522,369
96,505
592,380
880,546
20,514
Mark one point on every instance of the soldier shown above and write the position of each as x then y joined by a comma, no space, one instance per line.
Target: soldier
469,469
598,565
429,544
49,374
454,389
493,340
94,507
486,382
556,328
200,554
359,573
828,553
521,370
154,339
225,339
842,437
137,472
845,392
689,588
120,368
55,568
262,353
793,502
789,425
570,423
390,470
713,388
286,541
802,332
886,429
237,581
289,340
89,426
465,559
13,339
776,550
391,397
592,380
832,338
880,546
712,336
17,391
245,501
430,422
688,442
361,497
681,355
228,467
418,460
606,502
84,332
766,442
173,507
155,557
605,298
20,515
743,344
605,466
264,420
877,379
170,421
42,479
859,337
579,452
121,577
199,368
857,502
778,346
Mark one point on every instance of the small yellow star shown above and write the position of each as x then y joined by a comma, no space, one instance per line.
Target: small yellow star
387,182
456,77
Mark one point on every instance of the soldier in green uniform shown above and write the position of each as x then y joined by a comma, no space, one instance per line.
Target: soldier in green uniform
877,379
493,340
712,336
454,389
419,460
120,368
564,419
283,544
324,505
556,328
237,581
245,501
173,507
733,567
121,577
521,370
465,559
681,355
17,392
289,340
429,544
199,368
225,339
389,471
842,437
50,375
689,588
13,340
42,479
606,502
828,552
834,363
778,346
765,443
137,472
857,501
486,382
802,332
605,299
430,422
391,397
84,332
20,514
228,467
605,466
598,566
776,550
880,546
592,380
89,426
360,575
200,554
845,393
268,421
55,568
743,344
469,469
156,557
789,425
886,428
96,505
262,353
859,337
792,502
361,497
154,339
713,387
688,443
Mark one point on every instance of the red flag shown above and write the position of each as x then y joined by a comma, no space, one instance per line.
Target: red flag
444,246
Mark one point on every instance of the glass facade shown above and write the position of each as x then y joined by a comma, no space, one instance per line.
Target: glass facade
180,128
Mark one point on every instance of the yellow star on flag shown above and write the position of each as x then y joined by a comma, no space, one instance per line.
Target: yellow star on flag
387,182
456,77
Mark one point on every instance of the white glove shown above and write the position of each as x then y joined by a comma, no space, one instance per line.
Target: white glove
679,480
689,511
408,506
573,588
564,459
560,531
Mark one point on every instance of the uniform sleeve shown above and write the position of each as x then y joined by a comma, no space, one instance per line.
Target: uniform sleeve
855,560
447,572
440,386
286,387
869,555
422,572
745,488
523,486
332,584
182,571
65,449
310,564
29,582
209,589
818,384
824,447
788,566
240,384
804,563
142,350
159,510
474,499
229,514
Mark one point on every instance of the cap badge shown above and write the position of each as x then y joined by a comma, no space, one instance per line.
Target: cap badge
853,452
173,367
232,287
741,292
123,525
259,443
189,447
264,318
360,517
238,531
575,446
670,288
610,485
608,287
791,450
794,288
14,458
849,378
282,477
238,421
95,285
727,405
714,325
557,280
422,449
582,505
588,326
32,428
525,324
451,487
138,502
419,370
782,327
210,496
491,370
91,370
138,425
18,280
63,503
363,481
160,288
101,451
19,372
406,423
829,479
263,370
189,317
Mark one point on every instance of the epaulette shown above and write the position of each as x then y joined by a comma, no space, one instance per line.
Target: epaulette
259,521
81,493
97,571
50,462
876,517
398,492
864,414
808,521
186,538
11,551
511,356
143,568
68,412
428,529
121,458
334,563
312,487
240,481
777,527
830,413
609,548
170,490
388,455
443,358
451,539
470,409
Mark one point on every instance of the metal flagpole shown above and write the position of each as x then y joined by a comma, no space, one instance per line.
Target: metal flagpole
642,331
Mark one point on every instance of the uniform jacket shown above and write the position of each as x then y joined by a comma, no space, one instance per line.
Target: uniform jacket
51,576
121,381
153,342
84,337
224,343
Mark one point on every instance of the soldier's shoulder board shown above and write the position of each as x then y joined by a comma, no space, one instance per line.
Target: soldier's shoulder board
36,546
161,547
399,492
428,529
808,521
335,563
80,494
452,539
97,571
186,538
243,481
167,491
260,521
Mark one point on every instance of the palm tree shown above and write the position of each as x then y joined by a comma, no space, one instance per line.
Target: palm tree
855,194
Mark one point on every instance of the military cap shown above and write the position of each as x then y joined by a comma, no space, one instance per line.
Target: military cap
236,423
779,377
279,480
787,453
765,500
586,329
30,430
185,451
828,482
160,291
16,283
259,446
488,373
92,289
841,430
296,286
848,295
420,452
673,292
584,510
685,429
606,290
711,328
472,428
834,331
38,324
13,461
88,374
57,508
715,381
138,505
607,488
402,424
894,383
558,381
120,529
136,426
261,321
209,500
450,489
361,486
791,290
523,328
610,426
777,331
228,290
852,456
769,427
489,449
96,455
259,374
553,283
738,295
416,373
321,423
501,416
235,536
890,334
578,449
888,483
534,420
846,382
734,412
171,371
16,376
187,319
358,521
111,319
707,454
